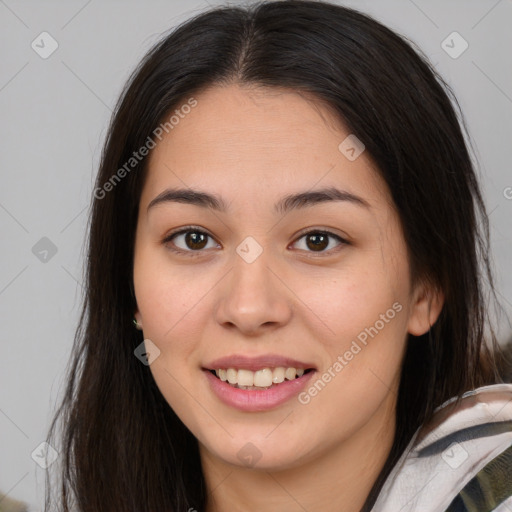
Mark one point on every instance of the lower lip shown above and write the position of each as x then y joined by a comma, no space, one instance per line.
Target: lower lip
251,400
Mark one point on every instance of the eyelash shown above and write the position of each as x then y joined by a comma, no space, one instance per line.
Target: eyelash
195,229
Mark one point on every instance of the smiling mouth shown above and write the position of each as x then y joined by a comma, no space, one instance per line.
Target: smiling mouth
261,379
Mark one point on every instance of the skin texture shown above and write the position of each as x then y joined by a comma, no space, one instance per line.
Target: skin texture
252,146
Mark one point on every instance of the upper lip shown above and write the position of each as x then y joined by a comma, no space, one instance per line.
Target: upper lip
241,362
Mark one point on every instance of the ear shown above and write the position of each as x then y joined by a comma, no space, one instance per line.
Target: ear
137,317
427,304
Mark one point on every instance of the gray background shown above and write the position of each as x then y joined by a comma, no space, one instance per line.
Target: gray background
54,119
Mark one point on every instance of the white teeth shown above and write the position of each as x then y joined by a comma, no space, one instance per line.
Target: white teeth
264,378
278,375
246,378
232,376
290,373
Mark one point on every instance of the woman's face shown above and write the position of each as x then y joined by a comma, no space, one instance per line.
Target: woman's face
263,286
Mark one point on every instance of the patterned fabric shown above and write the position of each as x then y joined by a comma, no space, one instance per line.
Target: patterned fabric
491,487
460,462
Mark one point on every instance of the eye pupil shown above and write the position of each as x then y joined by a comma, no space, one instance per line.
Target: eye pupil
319,240
193,240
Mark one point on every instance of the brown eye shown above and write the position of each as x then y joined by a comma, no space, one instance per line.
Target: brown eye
188,240
195,240
319,241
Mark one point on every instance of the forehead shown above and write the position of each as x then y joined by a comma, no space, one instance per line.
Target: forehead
257,141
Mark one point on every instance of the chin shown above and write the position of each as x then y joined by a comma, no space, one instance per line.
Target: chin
258,453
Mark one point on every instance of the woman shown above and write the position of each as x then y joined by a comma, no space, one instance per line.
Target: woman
287,211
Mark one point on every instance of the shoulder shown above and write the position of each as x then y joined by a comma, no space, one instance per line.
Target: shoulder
460,461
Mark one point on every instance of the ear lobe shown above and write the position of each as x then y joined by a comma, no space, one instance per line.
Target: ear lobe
426,309
137,317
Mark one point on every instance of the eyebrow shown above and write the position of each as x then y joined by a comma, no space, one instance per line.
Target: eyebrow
284,205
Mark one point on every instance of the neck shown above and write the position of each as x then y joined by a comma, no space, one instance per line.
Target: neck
338,478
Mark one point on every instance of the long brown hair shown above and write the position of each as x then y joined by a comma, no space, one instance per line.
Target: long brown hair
123,447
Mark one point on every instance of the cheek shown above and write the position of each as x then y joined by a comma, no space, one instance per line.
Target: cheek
363,312
362,355
170,298
173,307
352,301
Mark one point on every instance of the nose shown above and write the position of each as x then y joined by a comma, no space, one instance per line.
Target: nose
254,298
